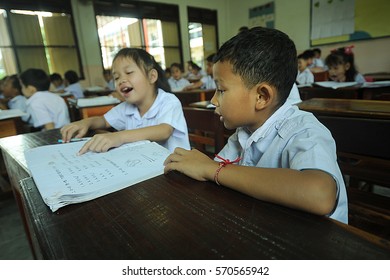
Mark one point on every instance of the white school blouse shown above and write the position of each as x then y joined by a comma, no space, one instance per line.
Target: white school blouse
178,85
165,109
76,90
20,102
305,77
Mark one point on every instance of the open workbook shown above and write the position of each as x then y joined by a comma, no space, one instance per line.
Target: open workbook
63,177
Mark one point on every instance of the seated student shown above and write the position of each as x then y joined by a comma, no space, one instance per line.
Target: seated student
206,82
57,83
318,64
305,76
341,66
13,93
2,81
195,71
278,153
107,75
46,109
149,113
176,81
72,84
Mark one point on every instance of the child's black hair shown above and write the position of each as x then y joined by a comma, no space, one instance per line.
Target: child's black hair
342,56
35,77
55,77
262,55
15,83
177,65
71,76
145,61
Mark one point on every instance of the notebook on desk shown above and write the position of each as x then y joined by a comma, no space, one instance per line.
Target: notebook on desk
336,85
11,113
62,177
97,101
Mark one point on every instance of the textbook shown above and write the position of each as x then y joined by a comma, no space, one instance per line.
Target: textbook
336,85
63,177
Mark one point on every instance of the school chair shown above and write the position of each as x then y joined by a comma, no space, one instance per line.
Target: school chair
206,132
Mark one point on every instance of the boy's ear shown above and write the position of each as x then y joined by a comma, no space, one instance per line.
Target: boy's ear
265,95
153,76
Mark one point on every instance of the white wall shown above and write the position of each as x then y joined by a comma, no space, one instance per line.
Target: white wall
291,17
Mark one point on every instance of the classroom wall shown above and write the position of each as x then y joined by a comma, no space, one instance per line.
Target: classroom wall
291,17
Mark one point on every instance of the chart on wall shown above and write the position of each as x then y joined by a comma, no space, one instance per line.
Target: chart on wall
263,15
334,21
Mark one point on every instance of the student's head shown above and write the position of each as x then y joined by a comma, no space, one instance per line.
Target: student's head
12,87
254,72
167,72
193,67
209,64
33,80
317,52
107,75
176,71
243,28
341,65
56,79
71,77
137,74
309,56
302,62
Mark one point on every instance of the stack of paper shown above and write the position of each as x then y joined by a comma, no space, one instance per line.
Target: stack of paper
63,177
11,113
376,84
336,85
97,101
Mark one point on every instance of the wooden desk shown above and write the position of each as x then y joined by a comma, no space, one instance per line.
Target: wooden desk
82,112
187,97
175,217
323,92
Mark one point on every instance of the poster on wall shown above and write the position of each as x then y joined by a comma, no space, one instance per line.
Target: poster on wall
332,18
263,16
370,20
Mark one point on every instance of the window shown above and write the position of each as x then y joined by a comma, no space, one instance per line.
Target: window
151,26
32,38
202,28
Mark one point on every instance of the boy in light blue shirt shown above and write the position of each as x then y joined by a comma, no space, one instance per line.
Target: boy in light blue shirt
278,153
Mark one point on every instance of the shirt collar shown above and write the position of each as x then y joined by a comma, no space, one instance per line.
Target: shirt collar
151,113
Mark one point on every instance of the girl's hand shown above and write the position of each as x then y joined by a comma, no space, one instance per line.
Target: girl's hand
79,129
191,163
102,143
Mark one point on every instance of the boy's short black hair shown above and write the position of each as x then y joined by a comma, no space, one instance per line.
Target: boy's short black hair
262,55
36,78
15,83
211,58
71,76
177,65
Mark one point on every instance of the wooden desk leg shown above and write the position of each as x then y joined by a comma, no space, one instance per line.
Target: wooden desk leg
202,96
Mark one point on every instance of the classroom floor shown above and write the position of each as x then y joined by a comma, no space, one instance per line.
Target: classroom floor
13,240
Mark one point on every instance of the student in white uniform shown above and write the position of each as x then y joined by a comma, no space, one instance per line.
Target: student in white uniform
73,85
47,110
149,113
206,82
176,81
278,153
305,76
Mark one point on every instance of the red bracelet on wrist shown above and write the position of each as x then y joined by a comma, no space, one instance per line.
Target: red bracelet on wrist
222,164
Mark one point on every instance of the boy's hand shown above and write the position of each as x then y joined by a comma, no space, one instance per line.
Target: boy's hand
191,163
79,129
102,143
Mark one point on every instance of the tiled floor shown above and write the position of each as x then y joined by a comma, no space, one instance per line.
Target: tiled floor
13,240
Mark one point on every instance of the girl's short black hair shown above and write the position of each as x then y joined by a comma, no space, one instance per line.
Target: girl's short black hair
262,55
342,56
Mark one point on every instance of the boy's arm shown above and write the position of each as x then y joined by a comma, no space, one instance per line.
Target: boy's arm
103,142
313,191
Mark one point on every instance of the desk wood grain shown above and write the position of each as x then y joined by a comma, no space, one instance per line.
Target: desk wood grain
175,217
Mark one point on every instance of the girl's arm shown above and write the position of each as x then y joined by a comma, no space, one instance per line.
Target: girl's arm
103,142
80,128
313,191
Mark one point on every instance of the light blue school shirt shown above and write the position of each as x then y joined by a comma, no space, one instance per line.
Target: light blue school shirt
19,102
293,139
76,90
165,109
208,82
178,85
